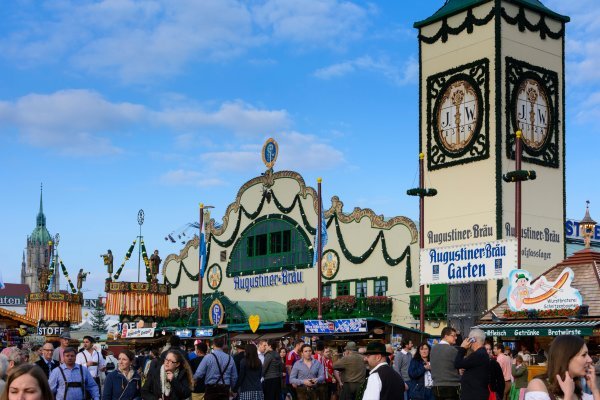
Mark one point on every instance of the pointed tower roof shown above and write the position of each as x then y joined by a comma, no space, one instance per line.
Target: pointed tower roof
41,218
40,234
452,7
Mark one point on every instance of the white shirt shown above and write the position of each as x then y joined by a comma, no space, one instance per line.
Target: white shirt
85,356
261,357
374,385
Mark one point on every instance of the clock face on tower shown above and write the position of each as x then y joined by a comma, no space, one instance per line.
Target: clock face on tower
532,113
457,115
532,102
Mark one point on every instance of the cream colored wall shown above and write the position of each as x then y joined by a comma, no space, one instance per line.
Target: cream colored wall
358,236
543,201
466,193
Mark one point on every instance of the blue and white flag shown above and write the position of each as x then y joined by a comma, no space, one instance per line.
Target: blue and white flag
323,237
2,286
202,260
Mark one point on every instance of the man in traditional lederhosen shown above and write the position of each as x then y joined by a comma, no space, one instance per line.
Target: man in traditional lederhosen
91,358
71,381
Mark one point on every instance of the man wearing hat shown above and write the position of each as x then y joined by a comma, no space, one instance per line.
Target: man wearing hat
384,383
353,370
65,337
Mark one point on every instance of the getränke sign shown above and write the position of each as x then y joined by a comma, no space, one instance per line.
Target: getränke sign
468,263
523,294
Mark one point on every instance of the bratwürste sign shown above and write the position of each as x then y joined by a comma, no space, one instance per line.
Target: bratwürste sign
468,263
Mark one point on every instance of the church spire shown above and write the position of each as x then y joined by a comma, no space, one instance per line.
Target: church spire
41,218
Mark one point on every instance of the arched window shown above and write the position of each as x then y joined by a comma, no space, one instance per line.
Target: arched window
272,243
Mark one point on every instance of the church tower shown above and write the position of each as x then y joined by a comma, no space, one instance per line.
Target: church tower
487,69
39,253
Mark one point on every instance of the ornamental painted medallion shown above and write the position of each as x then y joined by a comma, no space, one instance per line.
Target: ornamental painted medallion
532,113
270,151
457,116
330,264
214,276
532,100
216,313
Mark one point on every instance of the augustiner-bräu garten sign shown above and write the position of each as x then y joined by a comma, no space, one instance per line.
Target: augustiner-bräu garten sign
469,262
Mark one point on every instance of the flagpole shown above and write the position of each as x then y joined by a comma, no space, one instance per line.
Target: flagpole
200,261
320,250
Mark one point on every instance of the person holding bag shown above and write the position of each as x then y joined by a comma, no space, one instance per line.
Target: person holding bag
419,370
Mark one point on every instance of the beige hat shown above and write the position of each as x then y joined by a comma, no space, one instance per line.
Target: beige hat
350,346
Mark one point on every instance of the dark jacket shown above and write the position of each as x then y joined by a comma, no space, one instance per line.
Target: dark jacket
44,366
417,389
116,386
272,367
392,385
180,387
199,386
237,359
249,379
474,381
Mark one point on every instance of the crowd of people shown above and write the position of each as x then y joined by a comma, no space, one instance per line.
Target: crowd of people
475,369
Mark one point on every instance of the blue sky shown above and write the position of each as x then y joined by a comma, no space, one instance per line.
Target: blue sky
118,105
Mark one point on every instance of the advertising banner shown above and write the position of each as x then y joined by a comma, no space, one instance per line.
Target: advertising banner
355,325
137,333
206,332
469,262
524,295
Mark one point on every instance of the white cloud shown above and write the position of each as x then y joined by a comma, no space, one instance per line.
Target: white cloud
303,152
189,178
234,161
589,110
82,122
314,23
239,117
407,73
72,121
137,41
582,51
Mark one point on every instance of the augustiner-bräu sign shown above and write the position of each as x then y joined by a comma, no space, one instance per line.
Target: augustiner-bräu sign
468,263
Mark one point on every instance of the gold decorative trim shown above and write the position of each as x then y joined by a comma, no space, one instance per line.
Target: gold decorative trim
268,180
182,254
377,221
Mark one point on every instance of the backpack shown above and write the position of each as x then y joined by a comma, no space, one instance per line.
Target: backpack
496,377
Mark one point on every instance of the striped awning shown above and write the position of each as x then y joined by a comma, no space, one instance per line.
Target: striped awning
554,324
